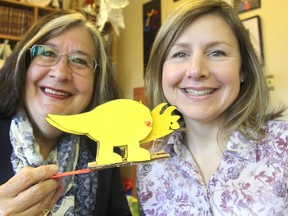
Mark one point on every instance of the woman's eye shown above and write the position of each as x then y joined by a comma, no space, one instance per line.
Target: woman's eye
217,53
48,53
79,61
179,55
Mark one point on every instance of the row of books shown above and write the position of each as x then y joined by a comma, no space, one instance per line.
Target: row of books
15,21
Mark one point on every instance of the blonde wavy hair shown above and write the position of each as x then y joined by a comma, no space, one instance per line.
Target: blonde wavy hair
249,112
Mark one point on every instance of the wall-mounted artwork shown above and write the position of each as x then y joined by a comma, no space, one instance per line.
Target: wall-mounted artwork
246,5
253,26
151,24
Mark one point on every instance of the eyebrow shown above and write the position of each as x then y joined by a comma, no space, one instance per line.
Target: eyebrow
209,44
74,51
181,44
219,43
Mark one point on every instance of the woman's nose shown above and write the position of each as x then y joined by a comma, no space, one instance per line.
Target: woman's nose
61,70
197,68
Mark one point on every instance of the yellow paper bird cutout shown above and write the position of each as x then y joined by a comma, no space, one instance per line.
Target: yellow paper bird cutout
120,123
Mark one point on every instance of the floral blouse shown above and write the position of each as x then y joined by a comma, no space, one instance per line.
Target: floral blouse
252,179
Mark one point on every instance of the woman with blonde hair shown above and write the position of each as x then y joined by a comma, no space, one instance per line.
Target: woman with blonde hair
230,158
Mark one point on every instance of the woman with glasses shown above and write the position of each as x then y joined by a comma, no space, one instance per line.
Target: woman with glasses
59,67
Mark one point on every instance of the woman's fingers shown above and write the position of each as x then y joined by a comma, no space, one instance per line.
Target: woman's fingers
30,191
29,176
47,203
56,195
41,192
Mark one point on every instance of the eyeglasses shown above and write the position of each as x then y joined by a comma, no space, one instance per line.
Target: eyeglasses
46,56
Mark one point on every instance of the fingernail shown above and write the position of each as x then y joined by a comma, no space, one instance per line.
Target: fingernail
54,168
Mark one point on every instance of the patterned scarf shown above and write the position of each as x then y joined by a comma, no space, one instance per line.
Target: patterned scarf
79,194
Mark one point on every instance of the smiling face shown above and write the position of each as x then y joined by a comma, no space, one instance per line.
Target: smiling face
59,89
201,74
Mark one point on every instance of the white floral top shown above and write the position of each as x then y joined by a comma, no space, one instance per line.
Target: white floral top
252,179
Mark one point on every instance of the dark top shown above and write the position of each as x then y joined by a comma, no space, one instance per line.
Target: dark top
111,199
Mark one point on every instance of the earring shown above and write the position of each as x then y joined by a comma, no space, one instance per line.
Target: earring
241,80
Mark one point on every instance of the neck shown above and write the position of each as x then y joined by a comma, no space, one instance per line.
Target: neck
205,146
201,135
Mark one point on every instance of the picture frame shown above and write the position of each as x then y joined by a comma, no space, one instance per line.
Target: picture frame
151,24
253,26
246,5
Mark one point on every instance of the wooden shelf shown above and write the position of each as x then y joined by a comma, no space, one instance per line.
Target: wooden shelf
9,37
17,17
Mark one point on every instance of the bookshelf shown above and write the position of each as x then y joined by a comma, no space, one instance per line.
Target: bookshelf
17,17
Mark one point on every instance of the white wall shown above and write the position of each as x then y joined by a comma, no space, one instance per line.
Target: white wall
274,17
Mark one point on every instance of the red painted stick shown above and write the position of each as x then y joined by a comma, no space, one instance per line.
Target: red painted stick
76,172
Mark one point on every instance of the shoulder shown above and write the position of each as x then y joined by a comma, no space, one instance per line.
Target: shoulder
276,142
6,150
277,128
4,126
274,146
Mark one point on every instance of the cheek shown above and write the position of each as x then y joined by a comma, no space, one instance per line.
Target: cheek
36,73
232,78
33,76
230,81
170,76
228,74
85,87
